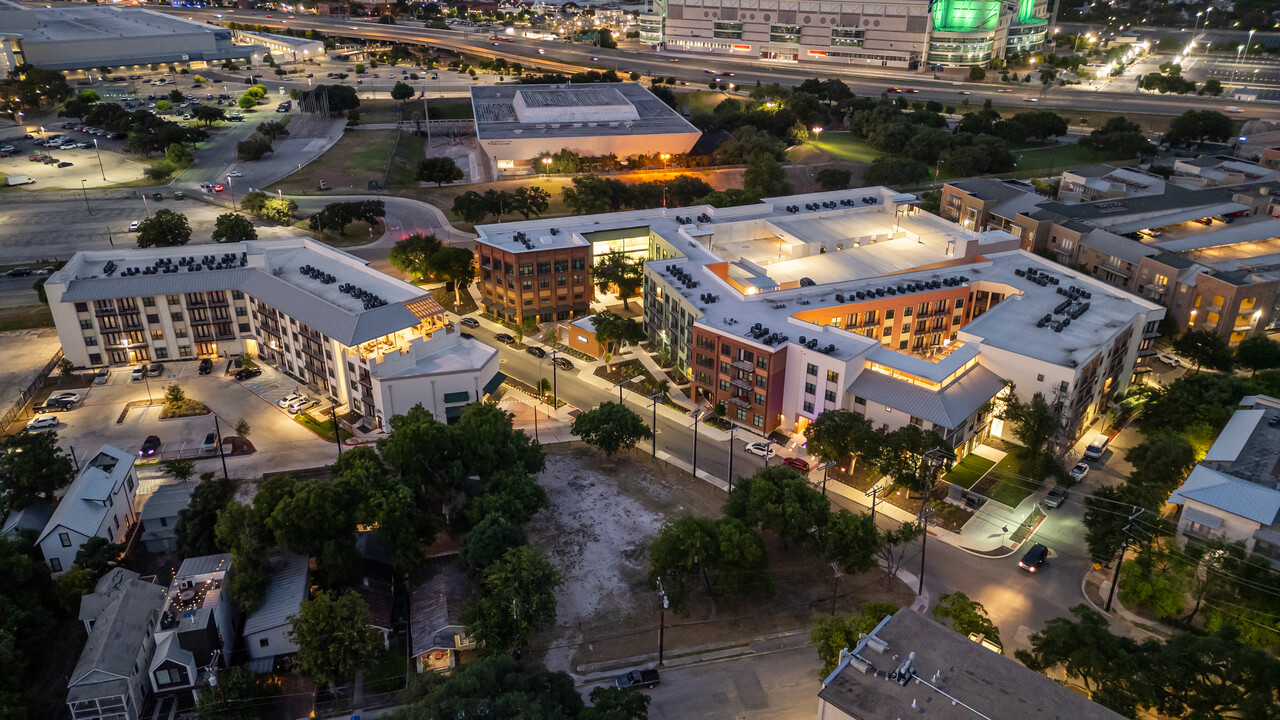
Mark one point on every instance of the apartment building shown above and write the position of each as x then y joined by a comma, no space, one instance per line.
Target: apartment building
545,281
854,299
1204,241
372,344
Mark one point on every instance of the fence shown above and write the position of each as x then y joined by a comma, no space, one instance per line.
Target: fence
19,408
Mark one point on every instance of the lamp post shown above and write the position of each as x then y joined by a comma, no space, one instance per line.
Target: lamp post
1239,49
653,400
217,434
826,467
100,167
733,428
665,157
697,418
768,451
620,383
546,166
86,196
1116,577
555,397
232,191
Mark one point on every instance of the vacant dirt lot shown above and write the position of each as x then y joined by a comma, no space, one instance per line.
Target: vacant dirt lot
597,532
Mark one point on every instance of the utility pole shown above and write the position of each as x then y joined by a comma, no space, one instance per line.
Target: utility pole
1115,577
934,457
697,418
826,467
835,585
653,400
662,619
217,435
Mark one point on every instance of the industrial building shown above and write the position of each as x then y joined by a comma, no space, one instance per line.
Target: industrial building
856,300
76,38
517,123
1204,241
373,344
910,34
283,48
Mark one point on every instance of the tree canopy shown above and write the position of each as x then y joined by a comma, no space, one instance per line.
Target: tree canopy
333,636
611,427
517,597
32,468
165,228
622,272
233,227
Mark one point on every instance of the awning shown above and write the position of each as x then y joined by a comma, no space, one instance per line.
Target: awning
453,411
1267,535
1201,518
494,383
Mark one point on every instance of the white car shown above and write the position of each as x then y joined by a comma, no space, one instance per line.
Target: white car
42,422
235,173
133,226
289,399
298,406
71,397
1169,359
138,373
1079,471
764,450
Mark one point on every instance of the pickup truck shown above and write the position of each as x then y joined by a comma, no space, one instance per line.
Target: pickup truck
637,678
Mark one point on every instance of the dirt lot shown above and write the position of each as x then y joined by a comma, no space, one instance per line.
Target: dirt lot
597,531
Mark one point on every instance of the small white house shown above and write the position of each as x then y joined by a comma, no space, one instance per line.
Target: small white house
99,503
159,516
266,629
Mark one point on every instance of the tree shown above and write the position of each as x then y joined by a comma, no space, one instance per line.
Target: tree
401,91
834,633
253,148
1204,348
721,557
1198,126
967,617
209,114
530,200
611,703
412,255
163,106
893,170
233,227
241,694
333,636
165,228
489,540
1038,428
518,597
196,522
588,195
840,436
901,456
245,102
178,155
1086,649
611,427
1149,580
765,177
613,328
98,555
851,540
779,500
977,74
271,129
470,207
1258,352
498,687
1211,87
242,429
893,544
1161,461
1107,513
279,209
32,469
455,265
620,271
833,178
180,470
439,170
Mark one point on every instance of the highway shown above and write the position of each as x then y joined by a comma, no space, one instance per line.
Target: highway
691,69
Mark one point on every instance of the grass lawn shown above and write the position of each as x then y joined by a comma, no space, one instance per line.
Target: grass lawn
700,100
1004,484
323,429
25,316
357,158
1060,157
385,111
445,109
968,471
404,166
844,146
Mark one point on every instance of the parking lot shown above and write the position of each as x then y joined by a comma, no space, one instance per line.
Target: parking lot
280,442
115,166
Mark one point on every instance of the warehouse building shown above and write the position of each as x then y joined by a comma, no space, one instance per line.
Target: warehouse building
856,300
369,342
909,34
75,38
517,123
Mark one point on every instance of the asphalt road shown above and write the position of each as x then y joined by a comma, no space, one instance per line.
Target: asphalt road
777,686
691,68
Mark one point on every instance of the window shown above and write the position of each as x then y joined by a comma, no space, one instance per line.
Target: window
173,299
917,421
562,266
262,642
86,324
184,350
544,283
902,344
526,270
578,263
162,353
759,399
544,268
180,332
830,395
176,317
888,314
91,341
758,421
726,350
153,319
810,389
65,539
128,483
244,327
742,414
164,522
148,302
859,400
82,307
237,295
811,370
833,376
761,381
241,311
808,407
762,362
55,565
95,358
562,281
724,385
157,334
959,303
526,284
1040,377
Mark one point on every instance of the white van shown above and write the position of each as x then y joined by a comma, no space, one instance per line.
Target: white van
1097,446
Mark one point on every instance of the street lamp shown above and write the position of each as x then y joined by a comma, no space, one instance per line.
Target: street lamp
546,165
232,191
653,400
1239,49
825,467
620,383
99,152
697,418
768,450
665,157
86,196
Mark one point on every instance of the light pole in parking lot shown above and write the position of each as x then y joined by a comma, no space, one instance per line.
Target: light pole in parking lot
86,196
217,436
232,190
100,167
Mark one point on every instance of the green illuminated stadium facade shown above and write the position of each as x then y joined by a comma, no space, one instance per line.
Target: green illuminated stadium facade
916,34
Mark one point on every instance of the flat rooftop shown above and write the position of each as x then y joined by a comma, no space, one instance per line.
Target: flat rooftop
109,23
948,677
564,111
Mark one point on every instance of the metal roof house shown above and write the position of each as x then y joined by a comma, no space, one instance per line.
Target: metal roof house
912,666
110,680
436,634
99,503
159,516
266,629
197,628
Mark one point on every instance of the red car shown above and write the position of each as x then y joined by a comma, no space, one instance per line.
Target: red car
796,463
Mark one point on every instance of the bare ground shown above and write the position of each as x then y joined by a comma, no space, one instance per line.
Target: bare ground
597,530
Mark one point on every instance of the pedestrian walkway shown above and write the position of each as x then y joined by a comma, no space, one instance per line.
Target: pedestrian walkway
673,392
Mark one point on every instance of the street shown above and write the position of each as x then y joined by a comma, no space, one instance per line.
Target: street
781,685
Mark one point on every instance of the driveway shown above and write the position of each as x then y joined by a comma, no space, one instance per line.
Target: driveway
281,443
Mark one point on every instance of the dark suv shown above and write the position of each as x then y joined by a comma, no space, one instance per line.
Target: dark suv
1035,558
206,366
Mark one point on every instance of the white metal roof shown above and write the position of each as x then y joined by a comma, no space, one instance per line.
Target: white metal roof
286,589
947,408
1234,436
84,505
1229,494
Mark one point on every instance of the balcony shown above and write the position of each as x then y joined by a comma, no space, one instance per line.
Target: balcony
740,383
742,365
740,401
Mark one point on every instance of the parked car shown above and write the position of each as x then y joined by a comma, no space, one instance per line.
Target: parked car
301,404
64,164
42,422
470,322
210,444
206,366
138,373
764,450
1056,496
637,678
796,463
563,363
235,173
1169,359
133,226
150,446
155,369
536,352
1079,471
53,404
504,338
100,378
67,396
1035,558
289,399
19,272
247,373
